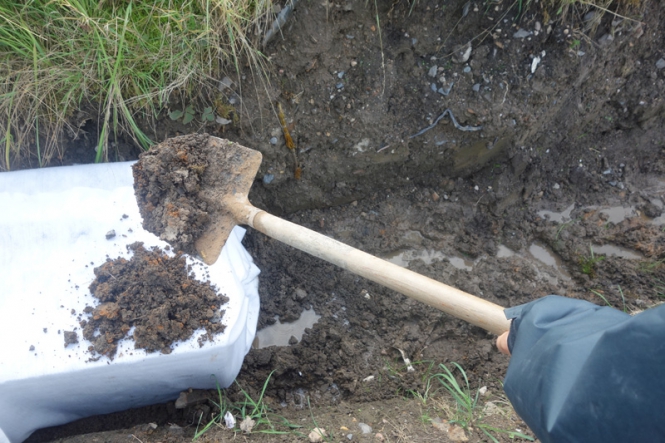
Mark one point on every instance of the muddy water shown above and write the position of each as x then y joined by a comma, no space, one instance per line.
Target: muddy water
617,251
545,255
403,258
614,214
560,217
280,334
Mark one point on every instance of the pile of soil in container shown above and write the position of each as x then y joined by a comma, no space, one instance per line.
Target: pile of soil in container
156,296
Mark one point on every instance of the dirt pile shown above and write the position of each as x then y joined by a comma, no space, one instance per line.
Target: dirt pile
157,296
166,181
182,187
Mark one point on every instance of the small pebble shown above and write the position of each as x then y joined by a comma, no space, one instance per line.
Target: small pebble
317,435
365,428
433,87
176,430
607,171
340,74
432,71
476,87
522,33
268,178
467,69
110,234
660,64
349,436
273,140
339,85
556,186
349,36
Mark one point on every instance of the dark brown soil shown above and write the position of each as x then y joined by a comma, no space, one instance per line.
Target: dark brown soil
157,296
182,186
167,181
586,127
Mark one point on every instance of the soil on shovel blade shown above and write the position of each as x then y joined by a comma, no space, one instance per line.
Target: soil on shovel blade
560,192
167,183
157,295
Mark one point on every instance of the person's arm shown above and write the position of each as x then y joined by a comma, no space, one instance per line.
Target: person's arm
584,373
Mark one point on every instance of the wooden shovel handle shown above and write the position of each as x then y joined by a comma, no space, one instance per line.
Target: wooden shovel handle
474,310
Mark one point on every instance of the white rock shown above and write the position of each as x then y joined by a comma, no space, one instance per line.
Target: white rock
534,64
317,435
365,428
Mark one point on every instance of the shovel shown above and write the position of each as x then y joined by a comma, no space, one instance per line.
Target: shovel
224,186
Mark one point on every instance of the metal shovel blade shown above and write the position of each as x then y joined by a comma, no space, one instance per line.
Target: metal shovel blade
185,187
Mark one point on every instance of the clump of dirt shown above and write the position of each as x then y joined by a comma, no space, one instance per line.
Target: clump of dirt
166,181
155,294
182,187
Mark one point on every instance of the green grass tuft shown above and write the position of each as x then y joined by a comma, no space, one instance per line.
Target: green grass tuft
120,61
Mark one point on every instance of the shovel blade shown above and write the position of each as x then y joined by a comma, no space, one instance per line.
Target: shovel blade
229,177
186,187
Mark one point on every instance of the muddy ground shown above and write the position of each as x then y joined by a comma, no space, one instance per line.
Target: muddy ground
569,163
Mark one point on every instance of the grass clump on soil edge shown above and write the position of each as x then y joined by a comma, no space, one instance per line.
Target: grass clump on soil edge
252,414
448,392
120,59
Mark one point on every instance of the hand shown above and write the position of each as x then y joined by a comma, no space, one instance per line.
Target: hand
502,343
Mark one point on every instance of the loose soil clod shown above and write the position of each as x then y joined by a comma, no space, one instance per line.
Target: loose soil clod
167,181
154,294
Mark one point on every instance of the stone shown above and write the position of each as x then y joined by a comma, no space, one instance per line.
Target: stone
365,428
522,33
317,435
176,430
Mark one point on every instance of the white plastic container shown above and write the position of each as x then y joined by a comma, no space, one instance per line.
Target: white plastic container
53,226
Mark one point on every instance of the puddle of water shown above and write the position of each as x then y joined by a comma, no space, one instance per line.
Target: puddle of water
504,252
617,214
546,256
617,251
279,334
403,258
558,217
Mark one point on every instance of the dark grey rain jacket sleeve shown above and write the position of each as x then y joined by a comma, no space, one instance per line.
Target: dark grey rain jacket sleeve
584,373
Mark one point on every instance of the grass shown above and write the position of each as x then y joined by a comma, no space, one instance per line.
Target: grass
120,62
623,299
253,415
588,262
467,411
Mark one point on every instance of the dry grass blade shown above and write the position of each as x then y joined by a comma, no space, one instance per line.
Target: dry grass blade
124,59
